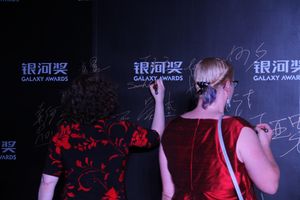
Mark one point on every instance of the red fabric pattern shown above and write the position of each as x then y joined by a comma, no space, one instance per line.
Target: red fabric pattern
93,158
61,139
111,194
196,162
139,137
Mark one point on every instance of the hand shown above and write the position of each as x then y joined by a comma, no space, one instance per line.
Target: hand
158,90
264,134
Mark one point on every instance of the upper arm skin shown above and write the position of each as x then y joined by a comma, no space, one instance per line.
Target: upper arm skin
47,187
167,183
258,160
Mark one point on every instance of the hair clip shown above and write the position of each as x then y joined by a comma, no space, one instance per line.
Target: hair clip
202,86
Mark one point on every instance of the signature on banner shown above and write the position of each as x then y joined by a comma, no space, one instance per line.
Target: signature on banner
282,131
148,110
240,100
239,53
191,84
287,129
93,66
122,115
133,85
46,119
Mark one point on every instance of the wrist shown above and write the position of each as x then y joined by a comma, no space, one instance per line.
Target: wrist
159,101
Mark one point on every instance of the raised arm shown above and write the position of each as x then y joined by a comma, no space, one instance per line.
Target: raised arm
158,91
254,150
167,183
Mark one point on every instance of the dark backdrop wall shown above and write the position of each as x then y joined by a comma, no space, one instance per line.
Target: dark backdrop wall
139,41
45,44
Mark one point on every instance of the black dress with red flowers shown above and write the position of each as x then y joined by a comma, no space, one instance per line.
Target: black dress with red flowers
93,158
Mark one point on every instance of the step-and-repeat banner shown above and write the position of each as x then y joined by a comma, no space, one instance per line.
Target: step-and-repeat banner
43,47
134,43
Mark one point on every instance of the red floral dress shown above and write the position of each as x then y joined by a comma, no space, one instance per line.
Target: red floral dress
93,158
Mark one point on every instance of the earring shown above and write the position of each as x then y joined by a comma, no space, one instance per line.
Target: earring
228,103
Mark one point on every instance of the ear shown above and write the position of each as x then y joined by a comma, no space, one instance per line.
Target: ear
227,86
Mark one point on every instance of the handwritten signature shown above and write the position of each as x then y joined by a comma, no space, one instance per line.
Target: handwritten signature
45,118
282,131
240,53
149,105
239,99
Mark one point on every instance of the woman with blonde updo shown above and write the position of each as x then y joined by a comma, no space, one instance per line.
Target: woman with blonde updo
191,159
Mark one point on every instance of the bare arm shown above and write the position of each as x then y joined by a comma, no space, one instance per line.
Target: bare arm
158,91
47,187
254,150
167,183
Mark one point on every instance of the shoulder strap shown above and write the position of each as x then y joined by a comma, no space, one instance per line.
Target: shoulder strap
229,167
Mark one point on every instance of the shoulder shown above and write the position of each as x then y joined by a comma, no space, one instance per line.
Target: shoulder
107,122
179,125
238,121
234,126
66,127
125,126
115,123
176,121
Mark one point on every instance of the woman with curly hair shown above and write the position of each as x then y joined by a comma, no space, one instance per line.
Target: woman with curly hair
91,148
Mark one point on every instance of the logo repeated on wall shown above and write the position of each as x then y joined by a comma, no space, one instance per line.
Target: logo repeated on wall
276,70
151,71
8,150
44,72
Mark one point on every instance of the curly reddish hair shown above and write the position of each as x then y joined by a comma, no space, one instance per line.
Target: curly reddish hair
89,98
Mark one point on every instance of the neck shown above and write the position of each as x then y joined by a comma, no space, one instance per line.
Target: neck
212,111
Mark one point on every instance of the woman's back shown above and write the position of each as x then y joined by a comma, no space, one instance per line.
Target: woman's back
196,162
93,157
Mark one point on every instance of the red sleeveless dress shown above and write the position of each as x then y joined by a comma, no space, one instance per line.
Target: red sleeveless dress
196,162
